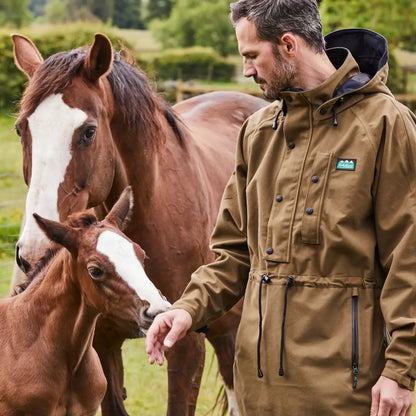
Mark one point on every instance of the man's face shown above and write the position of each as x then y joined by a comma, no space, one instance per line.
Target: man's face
262,61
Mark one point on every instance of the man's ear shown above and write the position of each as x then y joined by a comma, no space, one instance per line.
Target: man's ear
289,44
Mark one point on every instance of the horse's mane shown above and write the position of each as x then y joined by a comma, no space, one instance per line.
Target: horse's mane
131,89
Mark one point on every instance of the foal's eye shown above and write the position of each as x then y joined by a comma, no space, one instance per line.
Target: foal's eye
95,272
88,135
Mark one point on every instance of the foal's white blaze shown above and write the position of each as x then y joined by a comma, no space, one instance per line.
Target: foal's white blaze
121,253
52,126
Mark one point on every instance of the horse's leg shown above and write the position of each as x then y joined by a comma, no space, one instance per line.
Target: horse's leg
185,366
107,343
222,337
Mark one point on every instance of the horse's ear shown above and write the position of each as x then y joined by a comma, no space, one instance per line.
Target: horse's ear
120,213
59,233
100,58
26,55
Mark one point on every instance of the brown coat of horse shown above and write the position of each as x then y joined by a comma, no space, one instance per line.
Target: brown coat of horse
47,363
119,132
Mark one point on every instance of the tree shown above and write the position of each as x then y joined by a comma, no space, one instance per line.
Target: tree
394,19
197,22
14,12
128,14
156,9
37,7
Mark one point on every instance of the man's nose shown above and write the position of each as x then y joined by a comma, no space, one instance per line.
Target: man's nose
248,69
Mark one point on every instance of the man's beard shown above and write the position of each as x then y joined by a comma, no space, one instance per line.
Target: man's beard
282,77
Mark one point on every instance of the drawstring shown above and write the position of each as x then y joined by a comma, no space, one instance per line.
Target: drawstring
282,110
264,279
289,283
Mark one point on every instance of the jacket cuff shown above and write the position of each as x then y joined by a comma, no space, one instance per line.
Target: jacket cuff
183,305
403,381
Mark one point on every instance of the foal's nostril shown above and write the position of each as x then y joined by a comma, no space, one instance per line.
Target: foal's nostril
24,266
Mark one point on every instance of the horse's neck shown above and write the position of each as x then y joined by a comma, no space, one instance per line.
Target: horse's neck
55,312
144,165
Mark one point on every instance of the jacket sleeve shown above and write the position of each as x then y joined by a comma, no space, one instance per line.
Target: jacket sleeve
216,287
395,219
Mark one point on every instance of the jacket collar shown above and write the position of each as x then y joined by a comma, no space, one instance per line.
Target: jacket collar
346,66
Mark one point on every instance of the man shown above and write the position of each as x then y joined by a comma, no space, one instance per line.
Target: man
317,227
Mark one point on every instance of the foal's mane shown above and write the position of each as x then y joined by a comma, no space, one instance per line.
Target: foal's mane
132,91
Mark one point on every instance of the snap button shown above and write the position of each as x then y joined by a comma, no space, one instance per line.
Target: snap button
269,250
309,211
279,198
315,179
291,145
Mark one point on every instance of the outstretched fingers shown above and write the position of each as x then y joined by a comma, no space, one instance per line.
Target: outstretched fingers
166,329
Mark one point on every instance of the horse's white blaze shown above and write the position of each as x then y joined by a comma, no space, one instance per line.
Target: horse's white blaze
121,253
52,126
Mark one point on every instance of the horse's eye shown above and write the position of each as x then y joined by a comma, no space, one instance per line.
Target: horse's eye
95,272
88,135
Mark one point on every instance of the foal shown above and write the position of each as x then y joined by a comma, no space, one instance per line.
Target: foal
47,363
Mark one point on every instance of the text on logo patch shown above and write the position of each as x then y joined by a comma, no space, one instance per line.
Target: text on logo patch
346,164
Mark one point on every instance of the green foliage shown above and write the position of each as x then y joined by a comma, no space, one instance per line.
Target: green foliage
12,81
156,9
395,19
127,14
197,22
192,63
14,13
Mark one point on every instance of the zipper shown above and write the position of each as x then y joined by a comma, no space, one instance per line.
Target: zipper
264,279
355,352
289,283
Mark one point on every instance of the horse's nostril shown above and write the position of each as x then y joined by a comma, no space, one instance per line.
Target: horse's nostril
24,266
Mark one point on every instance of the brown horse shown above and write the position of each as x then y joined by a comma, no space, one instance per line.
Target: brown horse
90,124
47,363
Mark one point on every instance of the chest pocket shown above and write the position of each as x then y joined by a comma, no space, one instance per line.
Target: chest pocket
315,198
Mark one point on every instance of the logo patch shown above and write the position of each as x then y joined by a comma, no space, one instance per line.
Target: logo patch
346,164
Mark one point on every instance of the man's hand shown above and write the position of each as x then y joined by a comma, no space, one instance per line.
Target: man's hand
389,399
166,329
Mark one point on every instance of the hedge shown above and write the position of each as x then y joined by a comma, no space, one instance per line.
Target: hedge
191,63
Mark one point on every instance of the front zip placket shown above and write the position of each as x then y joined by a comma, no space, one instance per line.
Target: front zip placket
355,350
264,279
289,283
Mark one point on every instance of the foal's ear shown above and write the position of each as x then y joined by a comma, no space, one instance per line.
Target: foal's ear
100,58
120,213
26,55
59,233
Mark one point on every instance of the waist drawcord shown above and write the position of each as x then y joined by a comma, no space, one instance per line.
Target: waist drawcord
289,283
264,279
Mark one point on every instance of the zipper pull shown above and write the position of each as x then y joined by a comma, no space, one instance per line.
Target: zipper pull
355,373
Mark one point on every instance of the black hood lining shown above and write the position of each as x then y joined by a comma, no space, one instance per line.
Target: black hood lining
368,48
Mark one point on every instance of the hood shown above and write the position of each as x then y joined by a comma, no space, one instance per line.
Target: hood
368,48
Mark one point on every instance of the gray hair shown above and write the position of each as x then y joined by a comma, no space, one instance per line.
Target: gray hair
275,17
